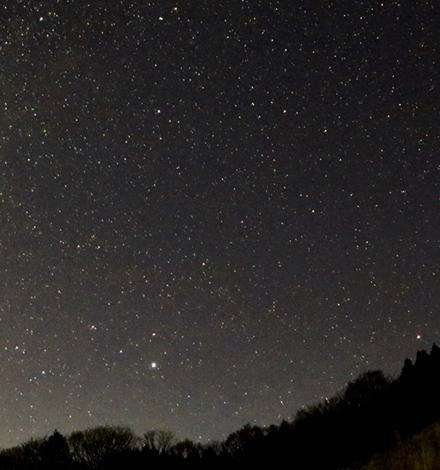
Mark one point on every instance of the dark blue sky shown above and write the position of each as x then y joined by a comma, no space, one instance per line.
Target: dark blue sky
213,213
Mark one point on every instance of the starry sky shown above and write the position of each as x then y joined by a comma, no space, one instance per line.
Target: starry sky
213,212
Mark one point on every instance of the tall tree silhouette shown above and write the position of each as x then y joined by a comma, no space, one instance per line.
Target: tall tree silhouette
56,453
158,442
418,392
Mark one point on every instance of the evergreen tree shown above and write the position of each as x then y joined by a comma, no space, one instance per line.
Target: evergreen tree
56,454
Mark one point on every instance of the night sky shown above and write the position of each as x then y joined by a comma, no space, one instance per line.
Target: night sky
212,212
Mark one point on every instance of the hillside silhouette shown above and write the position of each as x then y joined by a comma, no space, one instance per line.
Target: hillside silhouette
372,424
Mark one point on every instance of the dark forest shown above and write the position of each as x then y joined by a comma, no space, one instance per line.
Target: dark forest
366,425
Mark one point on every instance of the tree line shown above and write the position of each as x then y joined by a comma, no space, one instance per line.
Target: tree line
370,415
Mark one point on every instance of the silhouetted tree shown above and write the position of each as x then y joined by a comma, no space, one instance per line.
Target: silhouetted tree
435,357
346,428
157,444
246,444
10,458
165,440
407,370
94,446
212,450
187,449
422,364
27,456
56,453
33,451
418,391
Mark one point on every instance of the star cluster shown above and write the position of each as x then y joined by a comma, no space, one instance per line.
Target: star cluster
212,213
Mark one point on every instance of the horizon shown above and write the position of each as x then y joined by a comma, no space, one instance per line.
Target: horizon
291,419
212,215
